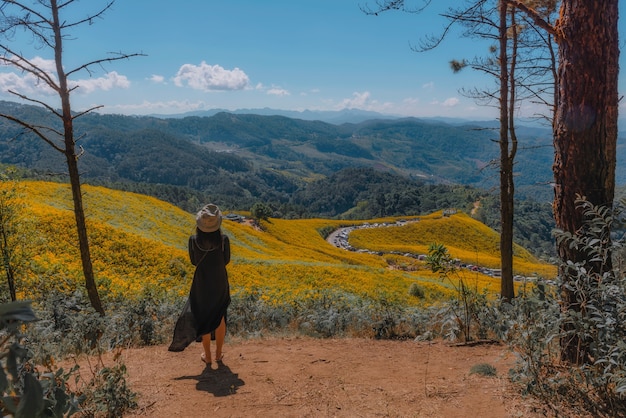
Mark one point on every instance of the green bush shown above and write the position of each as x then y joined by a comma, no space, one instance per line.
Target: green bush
68,326
536,323
483,369
28,390
108,393
469,314
416,290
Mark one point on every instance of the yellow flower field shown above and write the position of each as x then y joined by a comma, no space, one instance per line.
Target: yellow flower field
139,242
466,239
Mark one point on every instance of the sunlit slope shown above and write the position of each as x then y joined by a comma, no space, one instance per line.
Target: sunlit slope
133,213
135,241
466,239
139,243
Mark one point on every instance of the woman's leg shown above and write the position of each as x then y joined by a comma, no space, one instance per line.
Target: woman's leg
206,344
220,334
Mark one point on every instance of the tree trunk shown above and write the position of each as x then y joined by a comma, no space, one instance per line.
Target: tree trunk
72,166
506,165
585,132
6,260
7,222
83,242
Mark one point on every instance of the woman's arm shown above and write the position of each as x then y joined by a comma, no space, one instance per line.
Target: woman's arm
192,253
226,248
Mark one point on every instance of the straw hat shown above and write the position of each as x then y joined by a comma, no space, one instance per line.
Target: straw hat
209,219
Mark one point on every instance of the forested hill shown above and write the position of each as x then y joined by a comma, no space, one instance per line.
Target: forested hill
268,156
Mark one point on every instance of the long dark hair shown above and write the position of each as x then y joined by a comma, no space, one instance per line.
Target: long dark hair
209,240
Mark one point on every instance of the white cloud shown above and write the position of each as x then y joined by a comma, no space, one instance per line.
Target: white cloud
158,79
207,77
312,91
358,101
147,107
450,102
27,84
428,86
277,91
364,101
46,65
109,81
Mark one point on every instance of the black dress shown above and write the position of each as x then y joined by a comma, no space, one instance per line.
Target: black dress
209,296
210,293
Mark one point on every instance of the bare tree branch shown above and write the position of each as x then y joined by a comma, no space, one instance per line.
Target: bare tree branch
457,17
32,26
535,16
37,130
44,104
384,6
84,112
88,19
102,61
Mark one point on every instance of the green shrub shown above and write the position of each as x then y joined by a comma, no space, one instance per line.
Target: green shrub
416,291
27,389
68,326
108,394
469,314
483,369
537,324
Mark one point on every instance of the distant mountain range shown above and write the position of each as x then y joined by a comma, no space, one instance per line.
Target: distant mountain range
339,117
334,117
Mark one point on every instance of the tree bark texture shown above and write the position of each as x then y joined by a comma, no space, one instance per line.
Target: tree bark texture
585,131
506,164
6,261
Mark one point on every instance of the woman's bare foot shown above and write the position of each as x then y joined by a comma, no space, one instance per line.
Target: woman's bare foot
204,359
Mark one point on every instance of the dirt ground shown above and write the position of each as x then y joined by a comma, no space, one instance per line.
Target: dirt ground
303,377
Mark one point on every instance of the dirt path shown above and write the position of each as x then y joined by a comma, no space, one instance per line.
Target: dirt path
302,377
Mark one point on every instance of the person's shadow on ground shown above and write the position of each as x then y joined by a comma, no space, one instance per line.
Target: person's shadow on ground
220,382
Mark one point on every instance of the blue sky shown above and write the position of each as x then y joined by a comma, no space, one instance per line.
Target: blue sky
279,54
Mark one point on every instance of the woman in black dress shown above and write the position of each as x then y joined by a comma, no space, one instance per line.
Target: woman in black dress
209,297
